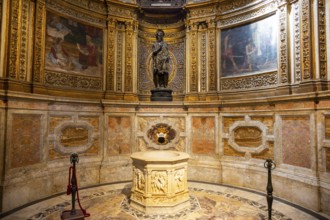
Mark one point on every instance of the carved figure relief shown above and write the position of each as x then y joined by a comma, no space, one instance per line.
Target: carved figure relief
159,182
179,177
139,180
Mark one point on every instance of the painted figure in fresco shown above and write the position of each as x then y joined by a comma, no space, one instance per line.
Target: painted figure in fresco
251,55
88,53
58,55
161,60
228,56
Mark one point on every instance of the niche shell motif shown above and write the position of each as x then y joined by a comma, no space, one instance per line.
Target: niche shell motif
161,134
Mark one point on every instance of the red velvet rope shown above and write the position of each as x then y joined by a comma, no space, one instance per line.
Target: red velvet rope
86,214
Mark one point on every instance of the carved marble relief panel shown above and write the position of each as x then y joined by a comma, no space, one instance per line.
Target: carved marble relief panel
25,140
297,47
119,135
296,141
202,137
161,133
251,137
69,133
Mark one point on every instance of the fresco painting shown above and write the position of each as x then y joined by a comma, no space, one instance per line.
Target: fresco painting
73,47
249,48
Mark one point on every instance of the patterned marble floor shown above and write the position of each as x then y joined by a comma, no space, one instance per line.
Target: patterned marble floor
208,202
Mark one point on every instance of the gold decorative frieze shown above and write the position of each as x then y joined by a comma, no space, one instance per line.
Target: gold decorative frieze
202,12
283,44
297,48
89,5
58,79
226,21
322,39
249,82
306,42
24,44
231,6
121,12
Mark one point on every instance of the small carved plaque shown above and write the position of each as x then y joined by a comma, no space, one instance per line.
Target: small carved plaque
248,136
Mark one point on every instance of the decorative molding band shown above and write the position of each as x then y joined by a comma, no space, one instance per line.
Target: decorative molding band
227,21
23,57
232,6
54,5
89,5
250,82
73,81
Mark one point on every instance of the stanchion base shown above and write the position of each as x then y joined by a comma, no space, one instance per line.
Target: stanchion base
66,215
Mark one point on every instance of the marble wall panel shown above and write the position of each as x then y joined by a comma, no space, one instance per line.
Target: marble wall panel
229,151
119,135
327,127
327,153
203,135
296,141
25,140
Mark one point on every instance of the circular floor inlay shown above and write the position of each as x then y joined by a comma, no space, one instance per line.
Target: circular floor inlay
206,204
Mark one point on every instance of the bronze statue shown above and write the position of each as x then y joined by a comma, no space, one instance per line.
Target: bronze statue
161,60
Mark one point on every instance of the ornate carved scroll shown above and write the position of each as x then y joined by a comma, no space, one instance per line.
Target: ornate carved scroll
119,64
23,57
283,44
306,43
322,39
129,57
15,32
297,49
111,55
193,59
39,41
212,57
203,61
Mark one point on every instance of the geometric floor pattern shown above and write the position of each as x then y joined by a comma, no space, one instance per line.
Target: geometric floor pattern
207,202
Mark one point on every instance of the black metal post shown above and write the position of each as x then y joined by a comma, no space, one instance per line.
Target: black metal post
73,159
270,165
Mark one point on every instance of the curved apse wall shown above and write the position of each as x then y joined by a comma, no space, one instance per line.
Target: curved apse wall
248,85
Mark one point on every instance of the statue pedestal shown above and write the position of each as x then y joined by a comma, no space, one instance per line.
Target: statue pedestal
162,94
159,182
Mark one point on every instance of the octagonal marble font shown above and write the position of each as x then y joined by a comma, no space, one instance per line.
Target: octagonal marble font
159,182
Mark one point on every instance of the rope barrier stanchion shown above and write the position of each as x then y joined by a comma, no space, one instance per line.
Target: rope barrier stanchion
269,165
73,190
